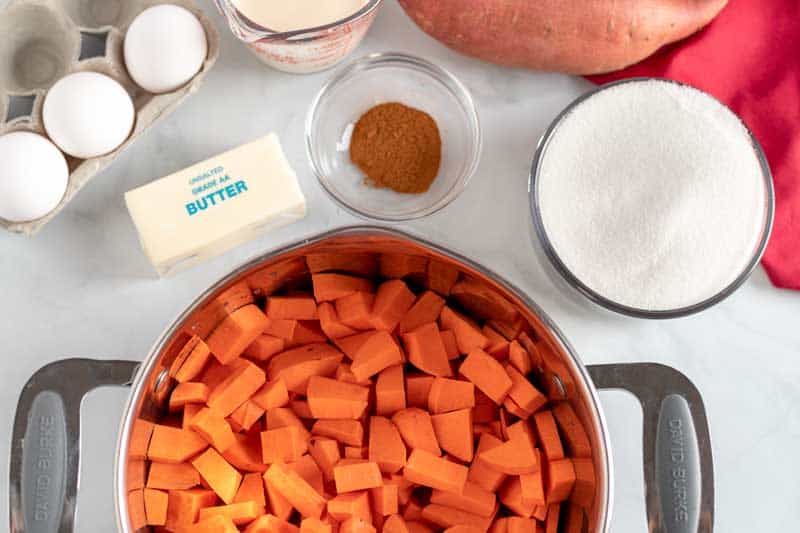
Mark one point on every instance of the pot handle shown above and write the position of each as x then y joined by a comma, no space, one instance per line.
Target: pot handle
678,467
45,446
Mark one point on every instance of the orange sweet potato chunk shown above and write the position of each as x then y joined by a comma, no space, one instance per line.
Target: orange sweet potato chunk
350,432
392,301
468,334
454,433
350,505
330,323
184,506
155,506
296,490
487,374
329,398
251,490
168,476
190,361
386,446
583,493
264,347
329,287
424,468
297,365
141,431
238,513
283,445
326,454
390,391
223,478
245,454
514,457
450,395
214,429
298,307
173,445
559,479
236,332
236,389
480,473
396,266
271,524
574,435
426,351
441,276
362,264
418,387
416,429
426,309
378,352
356,476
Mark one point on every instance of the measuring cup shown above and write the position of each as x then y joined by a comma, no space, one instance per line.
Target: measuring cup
301,51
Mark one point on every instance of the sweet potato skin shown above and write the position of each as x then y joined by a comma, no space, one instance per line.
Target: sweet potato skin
577,37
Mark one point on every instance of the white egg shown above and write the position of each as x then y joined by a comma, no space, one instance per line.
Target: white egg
33,176
165,46
88,114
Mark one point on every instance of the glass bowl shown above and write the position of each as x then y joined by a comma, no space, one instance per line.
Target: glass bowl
392,77
575,283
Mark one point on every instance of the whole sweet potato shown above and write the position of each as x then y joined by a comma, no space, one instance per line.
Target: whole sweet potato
574,36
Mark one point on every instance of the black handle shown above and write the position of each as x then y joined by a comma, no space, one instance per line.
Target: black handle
678,466
45,446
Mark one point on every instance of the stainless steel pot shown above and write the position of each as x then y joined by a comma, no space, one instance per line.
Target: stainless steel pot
46,447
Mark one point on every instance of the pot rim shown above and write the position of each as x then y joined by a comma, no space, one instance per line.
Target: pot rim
586,385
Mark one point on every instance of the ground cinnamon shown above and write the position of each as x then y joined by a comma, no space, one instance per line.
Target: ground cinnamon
397,147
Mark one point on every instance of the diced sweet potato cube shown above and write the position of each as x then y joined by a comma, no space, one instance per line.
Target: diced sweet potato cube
378,352
468,334
551,520
214,429
223,479
355,310
190,361
238,513
355,477
454,433
296,366
424,468
307,469
280,506
416,429
330,323
547,432
284,445
329,398
424,311
184,506
392,301
450,395
498,345
291,307
386,446
246,415
482,301
350,505
329,287
264,347
572,431
245,454
296,490
385,499
559,479
280,417
172,476
524,394
155,506
236,389
480,473
251,490
326,454
239,329
349,432
426,351
514,457
441,276
173,445
214,524
139,442
487,374
390,391
356,525
519,358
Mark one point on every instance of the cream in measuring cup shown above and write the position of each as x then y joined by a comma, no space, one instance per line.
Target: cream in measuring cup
284,16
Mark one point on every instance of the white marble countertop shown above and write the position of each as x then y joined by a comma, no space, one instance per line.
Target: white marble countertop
82,287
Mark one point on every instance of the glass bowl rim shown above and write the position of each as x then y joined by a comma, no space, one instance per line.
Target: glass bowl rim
596,297
467,107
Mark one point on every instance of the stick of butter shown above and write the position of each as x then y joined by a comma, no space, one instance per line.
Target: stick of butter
208,208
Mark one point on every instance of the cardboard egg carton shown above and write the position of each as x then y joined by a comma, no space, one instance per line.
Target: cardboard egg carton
44,40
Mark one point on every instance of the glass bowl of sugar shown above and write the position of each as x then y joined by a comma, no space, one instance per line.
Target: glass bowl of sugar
651,198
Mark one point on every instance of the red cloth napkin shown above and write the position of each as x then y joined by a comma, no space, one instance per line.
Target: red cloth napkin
749,58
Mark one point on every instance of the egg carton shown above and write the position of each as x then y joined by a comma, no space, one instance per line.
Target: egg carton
44,40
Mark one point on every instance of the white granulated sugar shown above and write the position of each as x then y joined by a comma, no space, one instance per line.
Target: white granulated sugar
652,195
